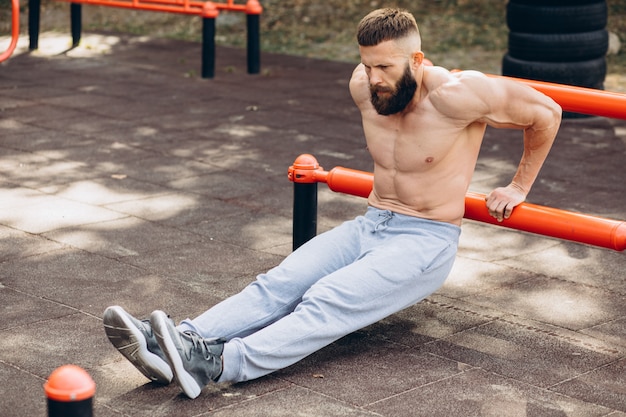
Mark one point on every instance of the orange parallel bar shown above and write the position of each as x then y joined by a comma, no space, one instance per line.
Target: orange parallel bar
170,6
15,32
547,221
580,99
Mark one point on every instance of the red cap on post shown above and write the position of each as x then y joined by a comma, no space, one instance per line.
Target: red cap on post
69,383
209,10
304,169
253,7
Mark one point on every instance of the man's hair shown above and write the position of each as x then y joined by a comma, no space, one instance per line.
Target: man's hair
385,25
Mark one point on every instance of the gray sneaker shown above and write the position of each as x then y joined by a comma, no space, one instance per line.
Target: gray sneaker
195,361
135,340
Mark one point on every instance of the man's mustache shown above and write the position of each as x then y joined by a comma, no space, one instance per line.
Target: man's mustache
377,89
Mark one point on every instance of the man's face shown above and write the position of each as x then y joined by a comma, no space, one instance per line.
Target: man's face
392,100
392,84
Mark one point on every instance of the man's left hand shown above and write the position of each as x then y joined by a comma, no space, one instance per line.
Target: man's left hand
501,201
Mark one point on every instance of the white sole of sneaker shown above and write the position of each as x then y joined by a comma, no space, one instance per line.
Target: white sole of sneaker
131,343
187,383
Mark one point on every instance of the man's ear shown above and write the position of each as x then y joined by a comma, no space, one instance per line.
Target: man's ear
418,58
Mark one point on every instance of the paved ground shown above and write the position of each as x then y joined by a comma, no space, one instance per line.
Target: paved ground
125,179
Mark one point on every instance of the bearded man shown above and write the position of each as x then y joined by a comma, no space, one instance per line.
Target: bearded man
424,127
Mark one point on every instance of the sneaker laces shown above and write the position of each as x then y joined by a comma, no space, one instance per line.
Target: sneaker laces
202,345
146,327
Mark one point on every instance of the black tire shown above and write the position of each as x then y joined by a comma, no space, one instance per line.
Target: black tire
588,73
559,47
555,2
552,19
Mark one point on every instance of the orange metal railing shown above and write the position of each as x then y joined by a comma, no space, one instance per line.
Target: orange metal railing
528,217
547,221
581,99
175,6
207,10
15,32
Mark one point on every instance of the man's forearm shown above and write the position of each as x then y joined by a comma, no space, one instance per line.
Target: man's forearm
537,145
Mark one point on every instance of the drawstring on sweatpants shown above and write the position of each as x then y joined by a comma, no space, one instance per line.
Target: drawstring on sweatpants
383,221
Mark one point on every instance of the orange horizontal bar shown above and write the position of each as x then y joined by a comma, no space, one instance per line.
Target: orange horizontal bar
547,221
580,99
170,6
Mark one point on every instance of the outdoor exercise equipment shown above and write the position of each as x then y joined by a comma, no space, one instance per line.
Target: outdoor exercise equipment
306,172
15,29
208,10
580,99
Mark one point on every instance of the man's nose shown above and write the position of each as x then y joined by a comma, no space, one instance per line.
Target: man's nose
375,78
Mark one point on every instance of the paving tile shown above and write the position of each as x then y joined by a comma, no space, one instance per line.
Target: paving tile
115,188
612,331
123,388
17,244
494,243
527,351
477,393
258,231
20,309
55,213
70,277
222,268
129,236
25,398
77,339
605,385
436,317
281,404
557,302
593,267
360,370
470,277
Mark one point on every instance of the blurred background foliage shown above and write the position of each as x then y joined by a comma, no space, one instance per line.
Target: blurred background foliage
466,34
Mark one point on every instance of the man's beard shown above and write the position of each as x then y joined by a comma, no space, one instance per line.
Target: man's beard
400,96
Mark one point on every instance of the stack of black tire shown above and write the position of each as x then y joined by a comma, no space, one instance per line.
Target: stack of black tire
559,41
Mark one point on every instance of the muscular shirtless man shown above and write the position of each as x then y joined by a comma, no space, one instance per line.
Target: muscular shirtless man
424,127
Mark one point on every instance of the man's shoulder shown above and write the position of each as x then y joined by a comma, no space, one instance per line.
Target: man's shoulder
456,93
442,79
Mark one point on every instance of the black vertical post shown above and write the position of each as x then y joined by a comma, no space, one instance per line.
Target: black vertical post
34,11
76,21
208,47
253,12
303,175
304,213
254,43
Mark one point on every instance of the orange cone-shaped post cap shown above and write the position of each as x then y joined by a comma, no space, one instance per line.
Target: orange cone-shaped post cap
69,383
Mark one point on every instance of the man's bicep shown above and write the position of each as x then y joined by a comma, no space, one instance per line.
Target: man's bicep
515,105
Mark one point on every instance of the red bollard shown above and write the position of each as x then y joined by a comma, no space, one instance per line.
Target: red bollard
70,392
